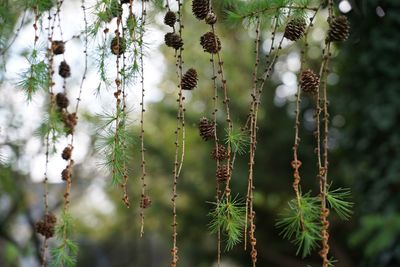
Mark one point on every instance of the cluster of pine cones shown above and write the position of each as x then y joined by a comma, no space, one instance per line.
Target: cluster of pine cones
174,40
69,119
58,48
338,32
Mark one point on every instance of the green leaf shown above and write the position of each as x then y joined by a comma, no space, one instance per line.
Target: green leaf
300,223
338,201
239,141
228,217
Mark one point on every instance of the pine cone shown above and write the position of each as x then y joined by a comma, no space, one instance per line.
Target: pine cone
295,29
66,174
64,69
173,40
70,120
210,43
339,29
222,173
211,18
309,82
189,79
62,100
58,47
170,19
145,202
46,226
200,8
67,152
206,128
118,46
222,153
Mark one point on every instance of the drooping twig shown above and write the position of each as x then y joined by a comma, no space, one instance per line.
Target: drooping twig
142,148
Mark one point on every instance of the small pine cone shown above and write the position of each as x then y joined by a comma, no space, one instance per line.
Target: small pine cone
200,8
66,174
46,226
64,70
67,152
210,43
62,100
145,202
295,29
309,82
206,128
339,29
118,46
70,120
211,18
219,153
189,79
222,173
58,47
173,40
170,19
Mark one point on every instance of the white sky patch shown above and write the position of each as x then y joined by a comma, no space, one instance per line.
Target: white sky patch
345,6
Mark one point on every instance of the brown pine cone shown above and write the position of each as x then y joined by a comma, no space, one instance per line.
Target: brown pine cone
200,8
189,79
295,29
64,69
219,153
206,128
46,226
309,82
210,43
173,40
62,100
118,46
222,173
338,29
58,47
66,174
70,120
67,152
145,202
170,18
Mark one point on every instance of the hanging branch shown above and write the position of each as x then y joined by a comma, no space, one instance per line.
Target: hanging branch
49,219
145,199
253,141
299,222
219,152
187,81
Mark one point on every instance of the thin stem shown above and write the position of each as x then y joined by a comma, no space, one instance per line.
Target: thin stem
323,167
228,120
253,140
214,113
50,58
179,129
142,149
296,163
